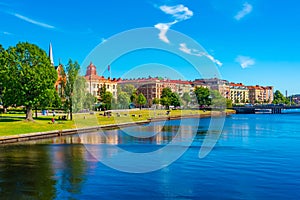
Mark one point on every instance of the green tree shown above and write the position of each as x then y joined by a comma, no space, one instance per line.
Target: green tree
228,103
129,89
155,101
217,100
175,99
72,71
186,98
29,77
141,100
203,96
123,100
280,98
166,96
106,98
89,101
3,72
133,97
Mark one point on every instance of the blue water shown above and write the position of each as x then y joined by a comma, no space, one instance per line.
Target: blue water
256,157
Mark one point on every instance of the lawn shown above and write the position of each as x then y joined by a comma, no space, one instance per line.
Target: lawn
13,124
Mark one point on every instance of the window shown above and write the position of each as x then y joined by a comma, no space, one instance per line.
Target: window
107,86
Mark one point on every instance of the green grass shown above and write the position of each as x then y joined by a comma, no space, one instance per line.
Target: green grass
14,124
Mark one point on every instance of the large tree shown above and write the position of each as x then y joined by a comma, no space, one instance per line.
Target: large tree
106,98
72,71
280,98
203,96
3,65
123,100
141,100
169,98
186,98
29,77
217,100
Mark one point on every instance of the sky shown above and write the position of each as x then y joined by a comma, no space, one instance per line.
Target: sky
255,42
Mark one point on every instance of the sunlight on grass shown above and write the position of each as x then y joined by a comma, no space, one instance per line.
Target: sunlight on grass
13,124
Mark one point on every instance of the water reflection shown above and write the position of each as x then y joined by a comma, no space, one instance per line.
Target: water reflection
56,168
26,172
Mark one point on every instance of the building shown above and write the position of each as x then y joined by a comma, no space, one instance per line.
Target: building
152,87
261,94
239,93
61,80
214,84
61,76
94,82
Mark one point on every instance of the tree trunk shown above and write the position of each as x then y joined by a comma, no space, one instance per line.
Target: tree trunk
71,110
36,115
29,113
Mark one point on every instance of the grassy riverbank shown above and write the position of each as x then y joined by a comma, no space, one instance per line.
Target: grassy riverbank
14,124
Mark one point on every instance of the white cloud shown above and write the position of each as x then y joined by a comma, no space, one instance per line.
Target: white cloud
178,12
247,9
6,33
245,61
183,47
41,24
164,27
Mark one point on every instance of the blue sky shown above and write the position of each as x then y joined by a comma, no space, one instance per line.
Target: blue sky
254,41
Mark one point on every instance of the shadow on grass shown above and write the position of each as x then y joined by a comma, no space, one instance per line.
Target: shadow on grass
17,118
10,119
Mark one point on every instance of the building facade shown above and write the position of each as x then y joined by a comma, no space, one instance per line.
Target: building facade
261,94
94,82
239,93
152,87
215,84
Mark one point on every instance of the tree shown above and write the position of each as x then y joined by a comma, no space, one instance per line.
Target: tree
169,98
123,99
3,72
217,100
141,100
175,99
72,71
129,89
106,98
155,101
133,97
165,98
203,96
280,98
186,98
228,103
29,77
166,92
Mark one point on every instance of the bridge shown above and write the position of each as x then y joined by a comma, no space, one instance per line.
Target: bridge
266,109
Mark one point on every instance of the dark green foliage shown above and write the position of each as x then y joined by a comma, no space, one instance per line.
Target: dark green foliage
280,98
27,77
72,71
203,96
169,98
141,100
106,98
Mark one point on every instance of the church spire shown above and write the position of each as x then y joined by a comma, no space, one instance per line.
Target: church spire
51,54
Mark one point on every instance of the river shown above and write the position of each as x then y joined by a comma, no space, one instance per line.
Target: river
255,157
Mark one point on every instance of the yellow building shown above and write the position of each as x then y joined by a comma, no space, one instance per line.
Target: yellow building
239,93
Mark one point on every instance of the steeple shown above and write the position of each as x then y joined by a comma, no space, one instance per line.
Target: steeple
51,54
